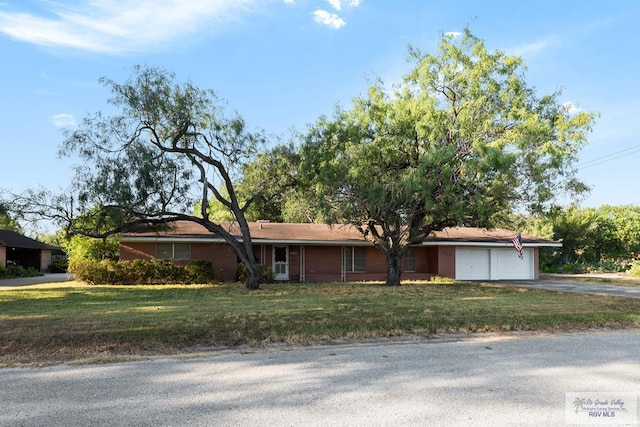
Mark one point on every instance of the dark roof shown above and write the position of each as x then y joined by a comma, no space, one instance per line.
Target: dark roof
321,233
12,239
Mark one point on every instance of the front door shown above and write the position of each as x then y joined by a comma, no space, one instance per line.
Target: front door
281,262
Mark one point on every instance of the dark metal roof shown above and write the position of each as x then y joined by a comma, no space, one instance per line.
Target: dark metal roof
11,239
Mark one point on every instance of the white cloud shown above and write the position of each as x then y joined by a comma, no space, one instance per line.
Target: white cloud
531,49
330,19
290,1
115,26
64,120
338,4
453,34
571,108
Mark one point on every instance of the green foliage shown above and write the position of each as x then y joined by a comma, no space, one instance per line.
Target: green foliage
110,272
168,146
89,248
635,269
17,271
439,279
266,273
7,222
462,141
593,239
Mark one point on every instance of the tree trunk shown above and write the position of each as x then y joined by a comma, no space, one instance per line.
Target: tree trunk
253,275
252,269
393,268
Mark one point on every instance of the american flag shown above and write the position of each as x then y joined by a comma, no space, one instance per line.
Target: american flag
517,244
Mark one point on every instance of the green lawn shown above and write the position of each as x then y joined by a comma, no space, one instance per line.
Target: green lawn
62,323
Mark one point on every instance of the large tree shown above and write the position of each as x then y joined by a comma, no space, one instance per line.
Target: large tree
7,222
273,180
167,146
463,140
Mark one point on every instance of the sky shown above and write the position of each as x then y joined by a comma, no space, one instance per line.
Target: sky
284,63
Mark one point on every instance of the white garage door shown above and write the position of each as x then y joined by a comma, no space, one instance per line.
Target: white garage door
493,264
473,264
511,267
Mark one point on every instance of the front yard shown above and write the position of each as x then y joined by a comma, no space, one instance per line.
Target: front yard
70,322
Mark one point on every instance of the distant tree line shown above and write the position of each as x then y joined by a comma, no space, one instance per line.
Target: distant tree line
606,238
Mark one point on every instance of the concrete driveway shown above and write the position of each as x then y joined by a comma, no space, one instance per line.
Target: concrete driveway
566,286
47,278
480,380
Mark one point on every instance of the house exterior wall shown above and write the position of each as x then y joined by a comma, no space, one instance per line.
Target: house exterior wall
375,266
309,263
45,260
294,263
3,256
425,266
446,261
222,257
323,263
137,250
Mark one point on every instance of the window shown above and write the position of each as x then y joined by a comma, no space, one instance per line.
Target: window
353,259
410,260
173,250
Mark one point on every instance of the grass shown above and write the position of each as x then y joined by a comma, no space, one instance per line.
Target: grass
62,323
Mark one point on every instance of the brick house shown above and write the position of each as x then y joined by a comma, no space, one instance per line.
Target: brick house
318,252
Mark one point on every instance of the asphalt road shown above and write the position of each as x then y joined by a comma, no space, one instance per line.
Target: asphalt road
482,380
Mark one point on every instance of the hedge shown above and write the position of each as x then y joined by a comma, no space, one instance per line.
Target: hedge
16,271
108,272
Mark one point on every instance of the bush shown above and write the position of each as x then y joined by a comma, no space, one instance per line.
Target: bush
109,272
17,271
575,268
635,269
266,274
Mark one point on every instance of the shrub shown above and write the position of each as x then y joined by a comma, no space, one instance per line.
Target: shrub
199,271
17,271
570,268
635,269
266,274
109,272
439,279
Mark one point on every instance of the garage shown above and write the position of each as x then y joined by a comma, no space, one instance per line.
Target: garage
472,263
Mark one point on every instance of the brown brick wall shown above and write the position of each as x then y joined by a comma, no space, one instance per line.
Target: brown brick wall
322,263
137,250
222,257
446,261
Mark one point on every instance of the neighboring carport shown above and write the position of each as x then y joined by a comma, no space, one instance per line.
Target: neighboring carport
16,249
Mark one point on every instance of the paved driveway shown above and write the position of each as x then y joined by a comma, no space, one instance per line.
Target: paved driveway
484,380
565,286
47,278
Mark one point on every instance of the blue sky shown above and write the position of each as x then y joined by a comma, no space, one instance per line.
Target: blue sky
283,63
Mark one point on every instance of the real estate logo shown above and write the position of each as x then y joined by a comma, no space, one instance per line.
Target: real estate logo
601,408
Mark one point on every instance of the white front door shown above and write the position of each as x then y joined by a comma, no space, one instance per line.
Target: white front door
281,262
